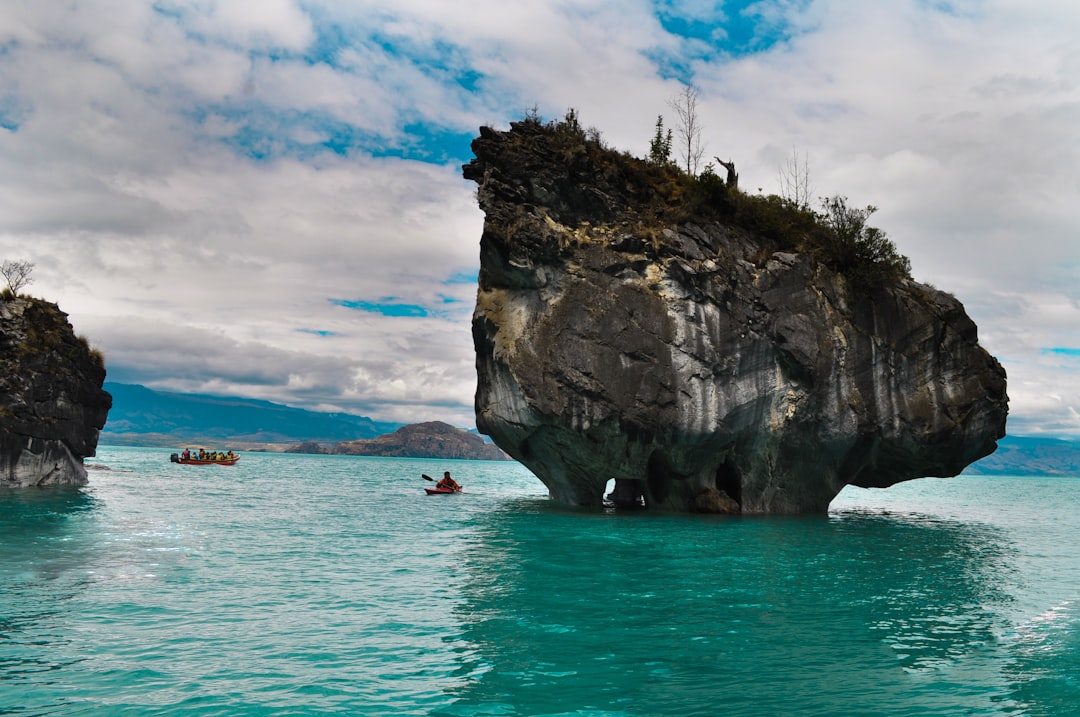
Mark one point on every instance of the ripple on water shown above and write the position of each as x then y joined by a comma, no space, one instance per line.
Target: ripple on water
330,584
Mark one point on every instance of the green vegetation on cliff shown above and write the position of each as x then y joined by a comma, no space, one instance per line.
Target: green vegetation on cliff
46,341
661,193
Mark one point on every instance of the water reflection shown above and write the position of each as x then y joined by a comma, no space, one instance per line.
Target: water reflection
944,588
567,611
39,527
42,572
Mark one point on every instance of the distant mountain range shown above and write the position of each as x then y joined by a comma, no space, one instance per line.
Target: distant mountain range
141,416
1027,455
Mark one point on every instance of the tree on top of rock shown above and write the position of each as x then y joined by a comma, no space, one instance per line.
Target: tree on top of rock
17,274
660,146
689,131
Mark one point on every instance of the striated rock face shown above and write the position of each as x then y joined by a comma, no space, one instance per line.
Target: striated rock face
52,406
700,366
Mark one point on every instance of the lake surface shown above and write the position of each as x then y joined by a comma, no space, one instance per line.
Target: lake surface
311,585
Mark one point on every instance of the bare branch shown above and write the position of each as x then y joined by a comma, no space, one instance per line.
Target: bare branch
17,274
795,180
689,129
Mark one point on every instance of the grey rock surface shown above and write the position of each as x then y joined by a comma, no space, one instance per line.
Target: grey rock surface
52,406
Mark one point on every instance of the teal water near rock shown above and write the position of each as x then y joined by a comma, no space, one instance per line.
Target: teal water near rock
309,585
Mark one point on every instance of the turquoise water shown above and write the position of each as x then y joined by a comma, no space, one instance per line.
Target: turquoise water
310,585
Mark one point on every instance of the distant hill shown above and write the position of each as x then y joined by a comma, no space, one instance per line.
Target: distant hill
433,439
142,416
1025,455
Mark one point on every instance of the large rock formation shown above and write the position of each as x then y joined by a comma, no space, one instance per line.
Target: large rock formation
52,406
626,330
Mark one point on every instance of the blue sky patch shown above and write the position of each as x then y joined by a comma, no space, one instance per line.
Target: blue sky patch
463,277
956,8
318,332
1063,351
733,29
331,39
265,135
386,306
12,114
426,143
164,9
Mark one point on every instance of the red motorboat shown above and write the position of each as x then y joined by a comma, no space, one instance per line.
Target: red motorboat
208,459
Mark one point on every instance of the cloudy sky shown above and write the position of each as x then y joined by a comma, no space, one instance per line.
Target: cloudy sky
264,197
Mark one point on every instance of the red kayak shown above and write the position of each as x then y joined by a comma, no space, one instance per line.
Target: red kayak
439,491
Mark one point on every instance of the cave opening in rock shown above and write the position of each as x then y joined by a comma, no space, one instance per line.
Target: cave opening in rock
659,477
626,494
729,481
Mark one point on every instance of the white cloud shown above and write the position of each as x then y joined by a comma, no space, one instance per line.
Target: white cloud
169,168
259,24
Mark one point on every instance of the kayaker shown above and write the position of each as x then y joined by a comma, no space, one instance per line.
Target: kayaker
448,482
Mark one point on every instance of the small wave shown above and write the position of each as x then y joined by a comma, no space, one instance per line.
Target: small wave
103,467
1056,618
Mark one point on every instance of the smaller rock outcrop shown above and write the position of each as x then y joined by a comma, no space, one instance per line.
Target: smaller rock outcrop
309,447
52,406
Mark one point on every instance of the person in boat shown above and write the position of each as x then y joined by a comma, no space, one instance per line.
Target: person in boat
448,482
186,454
